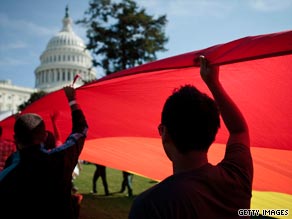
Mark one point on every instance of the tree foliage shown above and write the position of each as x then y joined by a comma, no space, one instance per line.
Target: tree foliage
122,35
33,97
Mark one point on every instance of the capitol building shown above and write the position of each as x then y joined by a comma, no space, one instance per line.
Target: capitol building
64,57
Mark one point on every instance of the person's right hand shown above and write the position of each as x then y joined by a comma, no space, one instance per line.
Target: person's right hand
209,73
70,93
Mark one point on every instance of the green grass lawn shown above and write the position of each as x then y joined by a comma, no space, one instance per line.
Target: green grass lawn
115,206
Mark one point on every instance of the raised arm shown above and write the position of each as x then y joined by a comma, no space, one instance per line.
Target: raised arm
54,116
79,123
231,115
71,97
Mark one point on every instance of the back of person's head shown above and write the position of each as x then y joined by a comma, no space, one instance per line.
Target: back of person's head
192,119
29,130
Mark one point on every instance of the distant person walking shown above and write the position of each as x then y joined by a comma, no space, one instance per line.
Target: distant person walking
100,171
127,183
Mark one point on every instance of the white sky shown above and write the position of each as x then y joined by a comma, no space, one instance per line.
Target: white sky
26,26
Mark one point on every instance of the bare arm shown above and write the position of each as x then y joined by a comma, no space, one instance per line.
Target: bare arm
231,115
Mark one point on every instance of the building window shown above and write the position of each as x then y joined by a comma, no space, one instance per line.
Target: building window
69,75
64,75
37,79
47,76
52,76
43,76
58,75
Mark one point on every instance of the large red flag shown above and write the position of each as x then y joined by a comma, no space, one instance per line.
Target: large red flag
123,112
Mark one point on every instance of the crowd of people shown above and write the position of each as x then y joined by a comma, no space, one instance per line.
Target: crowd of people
36,178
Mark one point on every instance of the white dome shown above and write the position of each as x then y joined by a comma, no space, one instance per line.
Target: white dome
65,39
64,57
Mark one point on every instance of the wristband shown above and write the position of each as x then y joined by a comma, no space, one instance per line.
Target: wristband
72,102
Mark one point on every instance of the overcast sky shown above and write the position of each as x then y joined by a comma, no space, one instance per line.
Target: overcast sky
26,26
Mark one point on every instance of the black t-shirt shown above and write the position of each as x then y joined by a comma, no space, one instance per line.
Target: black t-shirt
208,192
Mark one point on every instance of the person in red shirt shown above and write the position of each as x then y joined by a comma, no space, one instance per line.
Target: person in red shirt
198,189
6,149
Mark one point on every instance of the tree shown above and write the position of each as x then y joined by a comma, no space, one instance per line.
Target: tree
122,35
33,97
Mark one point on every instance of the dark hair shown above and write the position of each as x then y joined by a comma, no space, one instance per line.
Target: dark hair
192,119
28,128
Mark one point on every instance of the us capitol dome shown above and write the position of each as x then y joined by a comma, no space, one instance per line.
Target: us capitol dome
64,57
